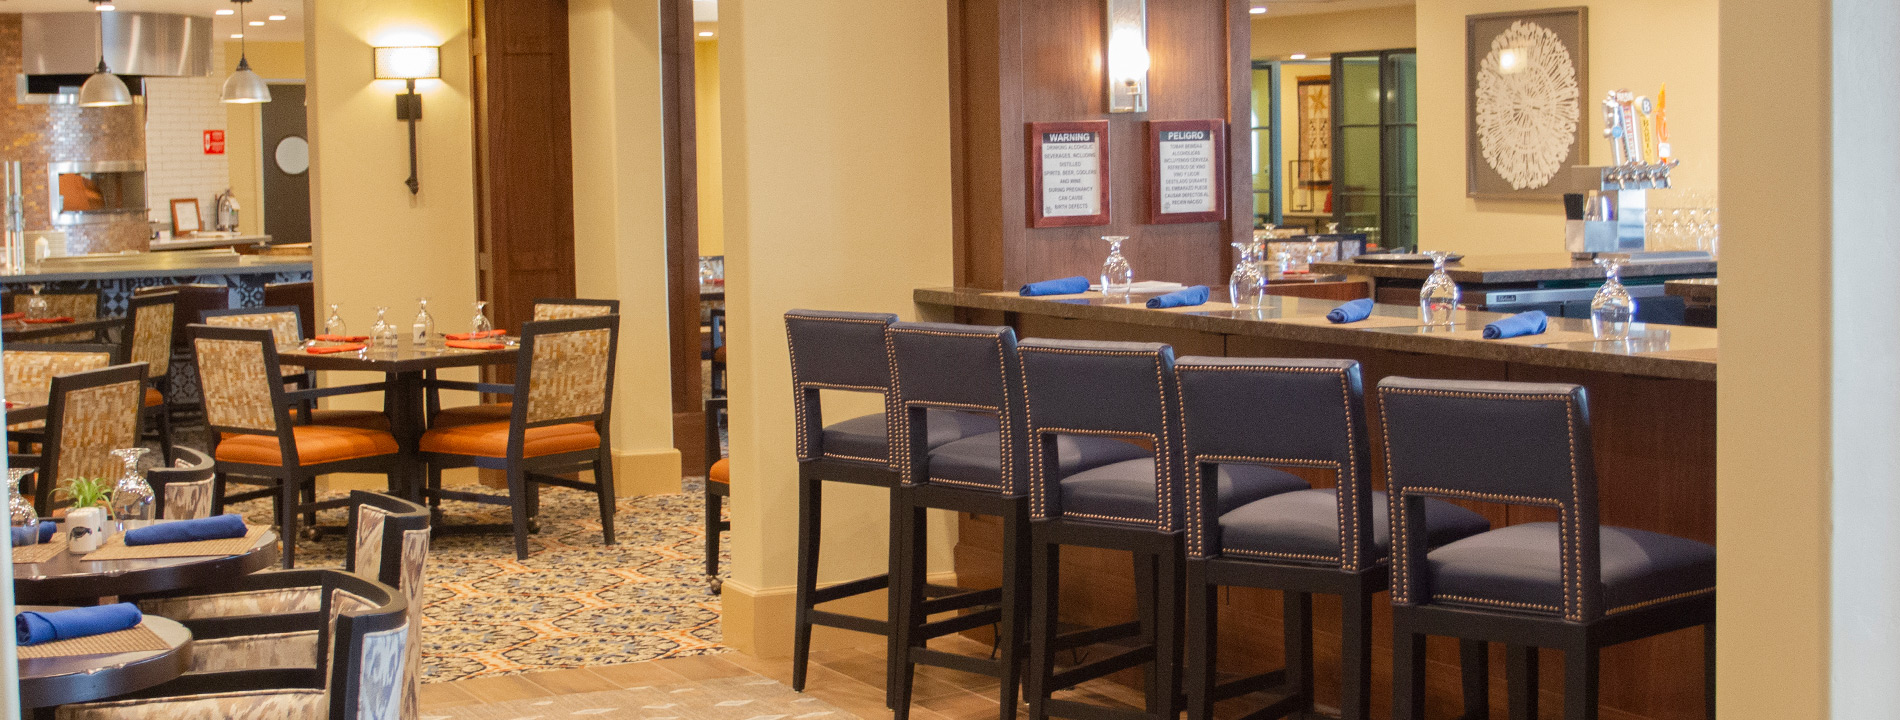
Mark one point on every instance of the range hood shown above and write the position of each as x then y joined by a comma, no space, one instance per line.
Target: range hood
145,44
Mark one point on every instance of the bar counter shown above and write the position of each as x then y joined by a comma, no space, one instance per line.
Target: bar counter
1524,268
1652,405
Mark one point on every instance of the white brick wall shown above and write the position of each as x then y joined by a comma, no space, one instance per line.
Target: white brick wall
177,112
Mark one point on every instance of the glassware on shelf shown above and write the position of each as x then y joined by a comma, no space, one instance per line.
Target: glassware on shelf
422,329
1438,299
1332,228
1117,274
334,325
1245,286
383,332
1282,260
23,518
133,503
1315,253
37,306
1612,310
706,275
480,323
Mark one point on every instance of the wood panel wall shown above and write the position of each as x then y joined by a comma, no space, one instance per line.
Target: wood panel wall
682,231
1015,62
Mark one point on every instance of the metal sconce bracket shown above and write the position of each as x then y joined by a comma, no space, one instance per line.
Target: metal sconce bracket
409,108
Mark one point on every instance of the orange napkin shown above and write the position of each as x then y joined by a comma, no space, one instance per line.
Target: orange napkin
327,349
38,321
477,335
342,338
13,316
474,345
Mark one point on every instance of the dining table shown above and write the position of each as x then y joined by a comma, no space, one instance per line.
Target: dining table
46,682
405,368
21,331
70,578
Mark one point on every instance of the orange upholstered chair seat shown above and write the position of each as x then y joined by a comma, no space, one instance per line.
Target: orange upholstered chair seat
719,354
316,444
490,439
154,398
473,414
721,472
365,419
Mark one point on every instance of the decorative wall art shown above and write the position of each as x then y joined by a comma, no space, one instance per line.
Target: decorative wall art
1526,74
1315,94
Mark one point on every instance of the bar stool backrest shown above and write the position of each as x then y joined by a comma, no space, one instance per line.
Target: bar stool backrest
1276,412
1509,443
1111,389
833,351
88,415
965,368
150,340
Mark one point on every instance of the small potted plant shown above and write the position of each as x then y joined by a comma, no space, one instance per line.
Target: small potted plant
86,520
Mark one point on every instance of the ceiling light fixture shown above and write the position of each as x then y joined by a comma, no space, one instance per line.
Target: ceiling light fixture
226,11
256,23
1257,10
244,87
105,7
1296,56
707,33
279,17
103,89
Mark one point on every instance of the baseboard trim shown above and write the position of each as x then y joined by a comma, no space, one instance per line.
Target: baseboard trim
758,622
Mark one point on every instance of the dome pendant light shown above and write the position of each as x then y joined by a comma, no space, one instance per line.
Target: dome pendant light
244,86
103,89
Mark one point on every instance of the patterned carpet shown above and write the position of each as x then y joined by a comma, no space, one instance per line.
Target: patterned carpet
573,603
748,698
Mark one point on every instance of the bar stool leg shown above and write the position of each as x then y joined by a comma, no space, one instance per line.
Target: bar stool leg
1474,659
908,577
1355,655
1708,668
1520,672
1146,611
1044,575
1016,579
1408,672
1296,617
1167,661
1203,641
810,506
1580,681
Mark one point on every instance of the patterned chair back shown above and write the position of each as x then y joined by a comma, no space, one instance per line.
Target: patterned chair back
31,368
285,322
240,394
150,340
391,546
184,489
570,308
566,373
369,649
89,415
80,306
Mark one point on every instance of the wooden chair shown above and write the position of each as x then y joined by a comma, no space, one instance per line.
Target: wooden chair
300,295
149,342
185,487
566,308
563,393
544,309
88,415
391,546
718,488
286,325
254,440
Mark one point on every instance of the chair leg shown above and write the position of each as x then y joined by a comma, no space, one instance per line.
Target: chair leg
1167,662
810,509
1474,660
1296,617
163,419
518,512
712,535
908,572
1708,668
1202,640
1009,630
1580,681
1044,592
288,490
1146,588
1520,679
604,480
217,493
1408,673
1355,656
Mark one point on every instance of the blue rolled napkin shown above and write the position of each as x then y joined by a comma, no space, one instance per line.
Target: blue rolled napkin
1062,286
1524,323
46,530
1196,295
222,527
33,628
1351,312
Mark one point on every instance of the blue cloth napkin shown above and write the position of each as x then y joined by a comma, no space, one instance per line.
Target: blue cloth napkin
1351,312
1196,295
1524,323
1063,286
33,628
222,527
47,528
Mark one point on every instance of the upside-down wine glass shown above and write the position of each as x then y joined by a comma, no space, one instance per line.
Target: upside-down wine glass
133,503
334,325
24,520
1438,299
1243,288
1118,276
1612,310
480,324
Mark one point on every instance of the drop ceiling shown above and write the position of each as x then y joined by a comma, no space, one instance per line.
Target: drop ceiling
290,29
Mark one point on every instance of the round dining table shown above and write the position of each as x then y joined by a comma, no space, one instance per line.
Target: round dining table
70,578
47,682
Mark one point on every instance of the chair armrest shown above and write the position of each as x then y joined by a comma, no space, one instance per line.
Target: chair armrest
314,393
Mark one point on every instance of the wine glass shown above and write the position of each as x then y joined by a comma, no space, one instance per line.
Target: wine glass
1612,309
1243,288
133,503
1438,299
1118,276
37,306
482,327
334,325
23,518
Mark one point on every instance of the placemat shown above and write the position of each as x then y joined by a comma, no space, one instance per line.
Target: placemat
116,549
1703,354
1090,295
1376,321
138,639
42,552
1550,337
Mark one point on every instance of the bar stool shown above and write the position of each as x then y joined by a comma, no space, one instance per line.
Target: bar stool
844,351
1115,390
1571,585
1288,414
966,368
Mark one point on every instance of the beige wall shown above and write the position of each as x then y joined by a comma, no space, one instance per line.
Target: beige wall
1634,44
712,206
837,175
1277,36
274,61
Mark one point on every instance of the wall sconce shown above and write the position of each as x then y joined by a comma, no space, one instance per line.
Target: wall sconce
409,64
1127,42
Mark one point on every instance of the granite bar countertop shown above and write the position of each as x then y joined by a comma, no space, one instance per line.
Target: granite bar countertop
1528,268
179,263
1660,351
1700,290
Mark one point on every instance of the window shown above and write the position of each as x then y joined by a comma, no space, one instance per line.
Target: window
1375,141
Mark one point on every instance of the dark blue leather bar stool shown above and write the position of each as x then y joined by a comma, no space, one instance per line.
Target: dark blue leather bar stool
1277,413
1125,391
845,352
941,367
1571,585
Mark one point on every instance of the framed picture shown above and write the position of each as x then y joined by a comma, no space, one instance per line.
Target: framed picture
1525,77
1068,173
185,219
1315,94
1185,170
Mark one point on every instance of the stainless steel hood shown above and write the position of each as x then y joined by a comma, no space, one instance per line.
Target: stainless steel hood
136,43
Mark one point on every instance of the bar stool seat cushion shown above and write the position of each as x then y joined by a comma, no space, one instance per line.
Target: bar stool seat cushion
720,472
865,438
154,398
1304,525
491,440
1519,567
366,419
1125,490
316,444
472,414
978,460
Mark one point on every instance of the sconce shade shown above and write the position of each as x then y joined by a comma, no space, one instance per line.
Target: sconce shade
104,89
244,86
408,63
1127,50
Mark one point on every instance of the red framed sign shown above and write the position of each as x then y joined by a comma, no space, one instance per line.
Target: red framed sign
1187,171
1068,174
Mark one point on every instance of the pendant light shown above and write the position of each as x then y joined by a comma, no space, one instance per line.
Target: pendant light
244,86
103,89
